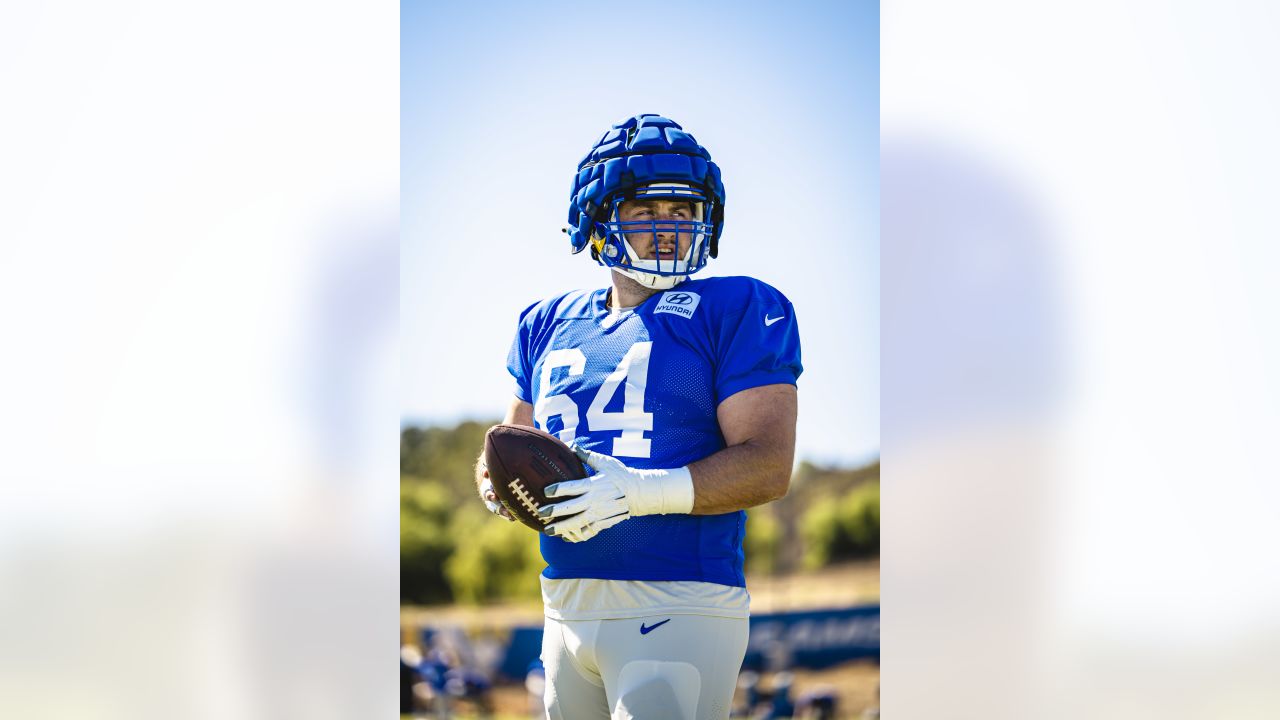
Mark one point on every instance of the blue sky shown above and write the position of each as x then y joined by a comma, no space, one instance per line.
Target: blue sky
499,101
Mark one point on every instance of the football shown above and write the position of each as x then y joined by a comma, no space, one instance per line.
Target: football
522,462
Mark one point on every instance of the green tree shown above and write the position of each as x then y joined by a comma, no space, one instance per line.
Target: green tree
846,529
761,541
425,542
443,455
860,519
494,559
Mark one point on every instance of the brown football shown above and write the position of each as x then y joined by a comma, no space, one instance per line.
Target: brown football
523,461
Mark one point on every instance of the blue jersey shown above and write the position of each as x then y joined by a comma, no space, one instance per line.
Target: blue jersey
643,386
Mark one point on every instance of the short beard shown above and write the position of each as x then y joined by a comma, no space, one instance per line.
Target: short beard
631,289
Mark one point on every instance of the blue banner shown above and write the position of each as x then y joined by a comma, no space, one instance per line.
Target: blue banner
813,639
525,647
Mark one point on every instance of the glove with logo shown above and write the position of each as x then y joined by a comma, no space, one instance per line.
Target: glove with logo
614,493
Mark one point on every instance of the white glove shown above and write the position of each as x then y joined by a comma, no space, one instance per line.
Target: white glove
491,498
615,493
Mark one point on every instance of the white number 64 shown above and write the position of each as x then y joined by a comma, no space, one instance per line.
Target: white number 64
633,421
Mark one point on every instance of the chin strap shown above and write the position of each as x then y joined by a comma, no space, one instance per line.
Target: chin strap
653,282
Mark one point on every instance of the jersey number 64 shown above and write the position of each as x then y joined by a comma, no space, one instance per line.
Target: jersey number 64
633,421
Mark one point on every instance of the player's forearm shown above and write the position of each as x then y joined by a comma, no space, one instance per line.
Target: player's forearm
741,477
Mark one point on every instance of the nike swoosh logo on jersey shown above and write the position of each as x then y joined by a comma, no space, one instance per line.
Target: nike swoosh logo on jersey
646,630
769,321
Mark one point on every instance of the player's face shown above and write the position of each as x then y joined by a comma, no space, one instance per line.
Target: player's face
670,244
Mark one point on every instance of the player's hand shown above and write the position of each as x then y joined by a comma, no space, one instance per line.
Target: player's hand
614,493
491,498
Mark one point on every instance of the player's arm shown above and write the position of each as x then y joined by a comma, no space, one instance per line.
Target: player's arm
759,428
519,412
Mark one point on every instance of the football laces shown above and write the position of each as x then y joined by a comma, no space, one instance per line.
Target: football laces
525,498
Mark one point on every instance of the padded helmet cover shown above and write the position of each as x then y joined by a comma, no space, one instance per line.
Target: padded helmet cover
640,151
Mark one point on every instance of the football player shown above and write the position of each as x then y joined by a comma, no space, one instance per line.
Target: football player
679,394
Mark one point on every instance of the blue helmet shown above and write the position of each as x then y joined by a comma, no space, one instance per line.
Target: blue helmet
647,157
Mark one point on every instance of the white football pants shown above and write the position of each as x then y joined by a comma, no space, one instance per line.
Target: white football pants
662,667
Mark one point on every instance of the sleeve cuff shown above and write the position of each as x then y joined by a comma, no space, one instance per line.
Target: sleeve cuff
736,385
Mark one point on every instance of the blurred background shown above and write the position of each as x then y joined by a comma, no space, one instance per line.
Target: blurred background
499,102
198,269
1079,349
